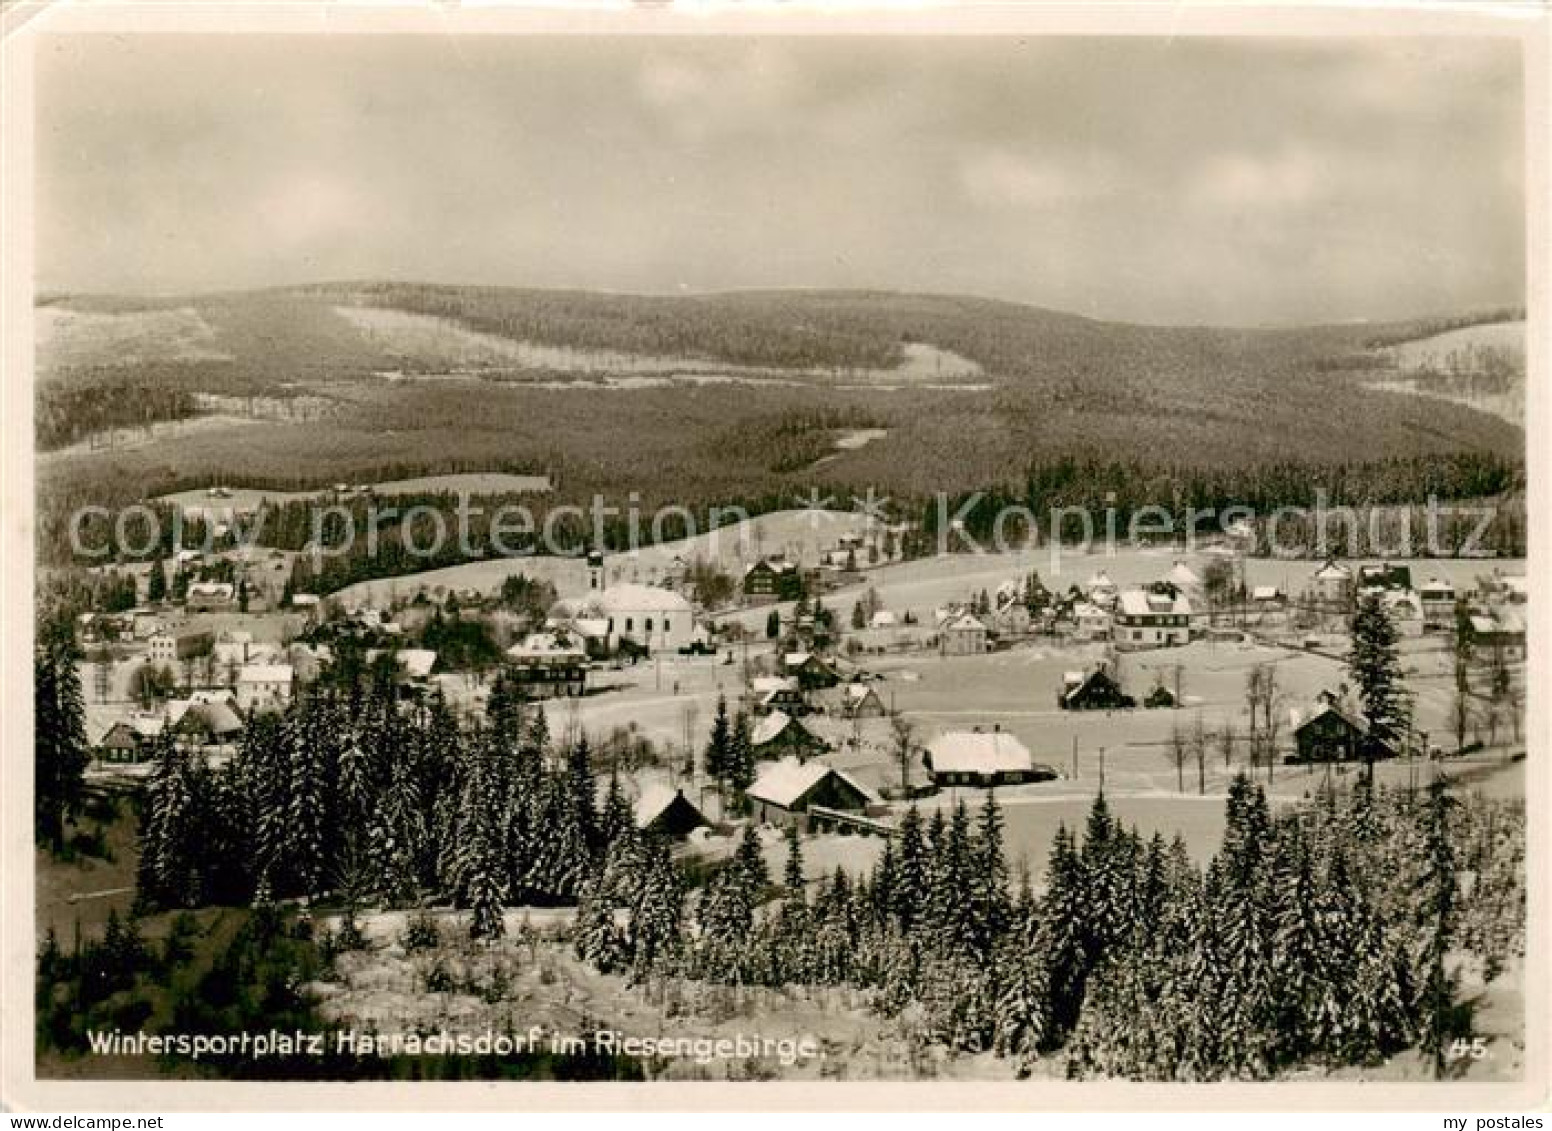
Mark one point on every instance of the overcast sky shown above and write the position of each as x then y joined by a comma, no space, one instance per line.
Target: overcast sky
1163,181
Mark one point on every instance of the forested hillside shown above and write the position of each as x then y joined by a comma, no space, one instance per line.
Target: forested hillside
1066,410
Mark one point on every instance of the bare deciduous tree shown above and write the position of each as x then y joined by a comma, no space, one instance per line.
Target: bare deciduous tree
1179,751
1228,739
904,732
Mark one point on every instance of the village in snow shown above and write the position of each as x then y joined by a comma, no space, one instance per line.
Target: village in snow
754,558
895,679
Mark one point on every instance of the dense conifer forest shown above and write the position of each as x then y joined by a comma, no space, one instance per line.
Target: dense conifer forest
1324,932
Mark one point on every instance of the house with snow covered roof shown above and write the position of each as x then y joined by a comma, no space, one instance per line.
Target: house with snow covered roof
779,735
173,646
666,810
963,634
1384,576
786,791
1151,618
1333,583
1096,690
206,723
210,596
1091,621
548,665
264,685
862,701
1500,628
774,576
1185,580
1332,734
1405,608
130,740
1438,598
811,671
1101,590
982,758
778,693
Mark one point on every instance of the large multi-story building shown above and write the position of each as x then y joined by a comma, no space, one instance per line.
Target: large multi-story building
1151,618
173,645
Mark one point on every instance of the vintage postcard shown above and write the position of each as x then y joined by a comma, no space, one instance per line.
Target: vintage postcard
716,559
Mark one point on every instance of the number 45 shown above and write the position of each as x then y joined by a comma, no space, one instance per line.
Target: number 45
1475,1048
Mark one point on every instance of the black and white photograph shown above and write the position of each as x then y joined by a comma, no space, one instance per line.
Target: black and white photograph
729,556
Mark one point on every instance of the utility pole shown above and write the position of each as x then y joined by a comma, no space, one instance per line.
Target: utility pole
1074,757
1102,769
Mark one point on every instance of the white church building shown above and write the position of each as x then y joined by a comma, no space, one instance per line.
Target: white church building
648,616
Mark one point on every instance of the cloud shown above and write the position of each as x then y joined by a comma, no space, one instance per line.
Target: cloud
1289,177
998,177
1178,180
703,97
671,84
304,209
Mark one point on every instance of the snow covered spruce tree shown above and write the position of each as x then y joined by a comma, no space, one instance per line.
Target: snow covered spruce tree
309,737
988,905
718,757
598,938
1061,936
1022,1010
725,915
165,873
615,818
654,932
1435,917
480,872
60,754
792,870
1244,915
1375,665
741,761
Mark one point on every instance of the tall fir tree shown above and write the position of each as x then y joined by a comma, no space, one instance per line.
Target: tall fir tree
598,938
718,758
1107,860
741,760
792,873
60,752
397,833
307,820
656,911
1435,917
1375,666
582,791
948,918
156,586
987,898
481,870
1296,962
1062,936
616,817
911,873
750,860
